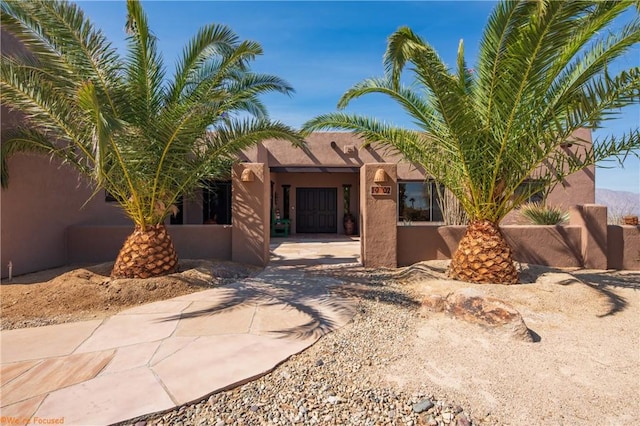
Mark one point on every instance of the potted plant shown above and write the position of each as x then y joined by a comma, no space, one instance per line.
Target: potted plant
349,223
348,220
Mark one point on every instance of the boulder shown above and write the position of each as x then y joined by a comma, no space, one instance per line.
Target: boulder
472,306
433,303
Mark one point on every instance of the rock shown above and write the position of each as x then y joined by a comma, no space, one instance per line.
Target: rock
472,306
433,303
226,271
334,399
141,423
423,405
463,421
302,392
447,417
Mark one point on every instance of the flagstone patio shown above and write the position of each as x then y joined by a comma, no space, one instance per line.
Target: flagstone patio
157,356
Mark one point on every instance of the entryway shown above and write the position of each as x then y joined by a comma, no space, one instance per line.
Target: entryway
317,210
318,249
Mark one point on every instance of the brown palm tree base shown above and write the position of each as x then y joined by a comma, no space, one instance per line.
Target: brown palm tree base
146,253
483,256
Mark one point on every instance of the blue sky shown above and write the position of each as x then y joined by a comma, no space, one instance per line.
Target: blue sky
323,48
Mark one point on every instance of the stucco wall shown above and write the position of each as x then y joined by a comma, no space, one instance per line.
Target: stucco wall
251,214
42,200
592,219
544,245
328,149
102,243
578,188
377,216
623,247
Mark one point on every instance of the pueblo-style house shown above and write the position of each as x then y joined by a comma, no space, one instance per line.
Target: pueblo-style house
334,186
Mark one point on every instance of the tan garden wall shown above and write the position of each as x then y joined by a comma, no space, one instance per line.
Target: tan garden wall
87,244
623,247
545,245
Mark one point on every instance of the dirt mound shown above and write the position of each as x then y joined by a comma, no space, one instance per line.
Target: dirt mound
58,296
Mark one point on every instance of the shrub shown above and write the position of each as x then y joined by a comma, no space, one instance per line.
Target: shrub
540,214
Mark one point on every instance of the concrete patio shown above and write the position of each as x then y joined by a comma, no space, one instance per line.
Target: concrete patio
154,357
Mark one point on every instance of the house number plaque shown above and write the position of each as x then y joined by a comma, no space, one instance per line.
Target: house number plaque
380,190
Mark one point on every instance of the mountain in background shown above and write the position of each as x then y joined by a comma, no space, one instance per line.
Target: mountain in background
619,203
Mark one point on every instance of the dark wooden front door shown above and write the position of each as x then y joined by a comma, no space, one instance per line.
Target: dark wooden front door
317,210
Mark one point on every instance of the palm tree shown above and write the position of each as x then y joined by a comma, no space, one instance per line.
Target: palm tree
119,120
541,74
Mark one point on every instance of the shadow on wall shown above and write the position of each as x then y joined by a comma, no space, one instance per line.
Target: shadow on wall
552,245
623,247
545,245
249,232
586,242
89,243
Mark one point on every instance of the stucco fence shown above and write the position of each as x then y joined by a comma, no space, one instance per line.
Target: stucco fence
87,244
556,246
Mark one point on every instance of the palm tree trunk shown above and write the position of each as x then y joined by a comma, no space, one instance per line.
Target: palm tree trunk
146,253
483,256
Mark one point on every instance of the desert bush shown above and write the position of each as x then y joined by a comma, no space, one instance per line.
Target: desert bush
541,214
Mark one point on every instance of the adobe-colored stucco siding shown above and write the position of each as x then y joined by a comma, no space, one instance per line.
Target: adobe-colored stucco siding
544,245
579,187
88,243
623,247
346,151
43,199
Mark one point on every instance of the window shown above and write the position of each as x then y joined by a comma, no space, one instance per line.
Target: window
346,193
178,219
286,194
216,203
109,198
418,202
534,187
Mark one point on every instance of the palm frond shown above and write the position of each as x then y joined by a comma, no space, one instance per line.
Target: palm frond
26,139
541,75
422,112
210,41
142,139
144,69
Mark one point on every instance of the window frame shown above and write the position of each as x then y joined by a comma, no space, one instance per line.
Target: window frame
433,209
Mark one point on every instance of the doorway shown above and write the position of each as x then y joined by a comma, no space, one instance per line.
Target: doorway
317,210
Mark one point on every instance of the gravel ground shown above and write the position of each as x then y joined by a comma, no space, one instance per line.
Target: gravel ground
337,381
394,364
